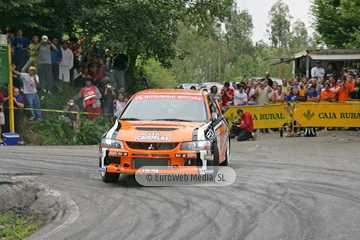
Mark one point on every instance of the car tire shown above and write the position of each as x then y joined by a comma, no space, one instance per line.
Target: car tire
215,163
227,155
109,177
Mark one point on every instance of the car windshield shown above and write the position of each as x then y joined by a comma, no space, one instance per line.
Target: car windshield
162,107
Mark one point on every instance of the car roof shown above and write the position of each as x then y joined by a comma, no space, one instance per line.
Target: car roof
188,84
173,91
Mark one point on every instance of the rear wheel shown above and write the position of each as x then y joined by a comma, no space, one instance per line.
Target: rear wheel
109,177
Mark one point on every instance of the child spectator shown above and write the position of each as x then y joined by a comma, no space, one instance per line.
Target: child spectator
252,101
119,103
291,97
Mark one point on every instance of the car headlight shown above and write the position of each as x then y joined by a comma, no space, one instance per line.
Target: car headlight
108,142
196,145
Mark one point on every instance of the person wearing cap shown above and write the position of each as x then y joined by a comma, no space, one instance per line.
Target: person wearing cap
30,81
44,63
317,71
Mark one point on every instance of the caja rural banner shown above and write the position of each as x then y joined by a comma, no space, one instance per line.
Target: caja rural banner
326,114
264,116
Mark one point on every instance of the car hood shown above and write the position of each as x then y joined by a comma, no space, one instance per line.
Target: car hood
160,131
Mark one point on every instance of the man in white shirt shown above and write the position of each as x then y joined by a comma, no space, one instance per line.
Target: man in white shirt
30,81
318,71
66,63
240,97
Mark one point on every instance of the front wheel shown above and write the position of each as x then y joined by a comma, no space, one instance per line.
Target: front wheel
109,177
227,155
215,163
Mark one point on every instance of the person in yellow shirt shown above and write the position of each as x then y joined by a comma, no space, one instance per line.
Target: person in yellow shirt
33,60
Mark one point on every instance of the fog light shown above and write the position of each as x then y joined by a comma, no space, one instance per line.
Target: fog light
126,165
175,166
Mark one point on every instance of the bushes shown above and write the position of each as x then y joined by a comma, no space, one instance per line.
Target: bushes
52,131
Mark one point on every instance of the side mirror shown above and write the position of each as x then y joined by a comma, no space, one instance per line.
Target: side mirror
214,116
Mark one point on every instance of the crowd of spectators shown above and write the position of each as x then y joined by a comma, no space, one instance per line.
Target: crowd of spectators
325,87
53,65
47,66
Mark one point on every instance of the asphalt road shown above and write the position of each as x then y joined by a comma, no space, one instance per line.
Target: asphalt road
286,188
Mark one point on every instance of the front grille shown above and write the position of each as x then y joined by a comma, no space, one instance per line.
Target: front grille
159,163
151,146
109,160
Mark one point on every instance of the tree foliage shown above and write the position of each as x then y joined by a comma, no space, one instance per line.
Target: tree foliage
238,34
337,22
279,32
299,38
146,28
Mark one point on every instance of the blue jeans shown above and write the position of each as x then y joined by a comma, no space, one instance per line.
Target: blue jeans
34,102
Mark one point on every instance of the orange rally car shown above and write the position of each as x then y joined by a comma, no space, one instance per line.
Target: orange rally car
183,131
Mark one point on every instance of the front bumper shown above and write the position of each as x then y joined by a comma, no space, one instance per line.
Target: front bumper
177,161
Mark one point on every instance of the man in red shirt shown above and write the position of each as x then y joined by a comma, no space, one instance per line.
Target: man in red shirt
244,127
227,94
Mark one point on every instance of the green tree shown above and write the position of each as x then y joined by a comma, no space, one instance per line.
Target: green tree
150,28
238,34
337,22
279,25
37,17
299,38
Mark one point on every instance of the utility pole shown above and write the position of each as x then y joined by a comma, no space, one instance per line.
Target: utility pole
219,61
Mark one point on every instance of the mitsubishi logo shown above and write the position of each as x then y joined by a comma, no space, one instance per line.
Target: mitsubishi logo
151,147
